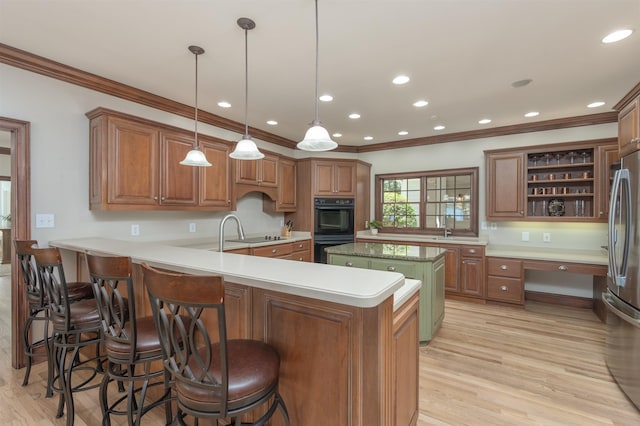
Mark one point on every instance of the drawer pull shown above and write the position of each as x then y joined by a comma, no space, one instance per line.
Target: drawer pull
472,251
563,267
348,264
391,268
634,140
504,288
504,267
274,250
300,245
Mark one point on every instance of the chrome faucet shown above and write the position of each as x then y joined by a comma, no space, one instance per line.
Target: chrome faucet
221,230
447,232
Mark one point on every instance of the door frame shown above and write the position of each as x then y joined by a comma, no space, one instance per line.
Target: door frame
20,226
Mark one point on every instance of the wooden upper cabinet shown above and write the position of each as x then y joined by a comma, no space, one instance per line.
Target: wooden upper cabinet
178,185
215,185
505,185
629,128
286,195
132,158
263,172
135,165
608,155
334,178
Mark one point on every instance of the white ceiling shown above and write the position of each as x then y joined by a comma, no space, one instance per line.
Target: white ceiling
461,55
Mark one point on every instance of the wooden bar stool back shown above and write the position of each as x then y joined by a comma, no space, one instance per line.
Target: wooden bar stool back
214,378
130,343
75,325
37,304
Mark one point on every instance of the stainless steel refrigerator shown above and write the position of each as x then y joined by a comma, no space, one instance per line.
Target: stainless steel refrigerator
622,298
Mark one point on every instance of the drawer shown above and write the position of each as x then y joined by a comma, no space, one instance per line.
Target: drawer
472,251
502,267
301,245
576,268
408,269
505,289
351,261
276,250
300,256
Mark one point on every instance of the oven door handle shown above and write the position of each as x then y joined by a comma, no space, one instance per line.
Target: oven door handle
611,304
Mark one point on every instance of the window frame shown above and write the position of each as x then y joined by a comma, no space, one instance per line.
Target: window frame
472,172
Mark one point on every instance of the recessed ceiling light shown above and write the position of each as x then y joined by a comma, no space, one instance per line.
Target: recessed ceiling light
532,114
326,98
617,36
439,127
337,135
484,121
272,122
403,133
354,116
401,79
368,138
420,103
595,104
521,83
224,104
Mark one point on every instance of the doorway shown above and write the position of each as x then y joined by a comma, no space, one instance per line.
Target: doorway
17,132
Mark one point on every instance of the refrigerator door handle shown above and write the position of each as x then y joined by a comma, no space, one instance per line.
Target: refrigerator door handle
610,303
620,189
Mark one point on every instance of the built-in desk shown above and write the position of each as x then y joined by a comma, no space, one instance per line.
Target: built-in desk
506,266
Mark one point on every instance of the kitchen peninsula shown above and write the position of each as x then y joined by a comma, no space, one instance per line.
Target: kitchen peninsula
336,329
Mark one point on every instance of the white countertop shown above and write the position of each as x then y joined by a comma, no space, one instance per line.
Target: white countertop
209,243
592,257
362,288
379,237
403,294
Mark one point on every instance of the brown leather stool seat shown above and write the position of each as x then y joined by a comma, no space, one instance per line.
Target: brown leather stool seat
130,343
214,378
37,302
76,325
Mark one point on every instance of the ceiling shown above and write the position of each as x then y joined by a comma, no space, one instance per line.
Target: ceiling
462,57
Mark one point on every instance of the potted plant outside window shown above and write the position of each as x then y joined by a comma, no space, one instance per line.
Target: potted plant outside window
374,225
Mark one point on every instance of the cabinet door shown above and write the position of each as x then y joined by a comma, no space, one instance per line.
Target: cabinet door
437,304
215,181
323,178
132,176
287,188
268,171
505,186
247,171
607,155
472,277
451,282
344,179
629,128
349,261
178,183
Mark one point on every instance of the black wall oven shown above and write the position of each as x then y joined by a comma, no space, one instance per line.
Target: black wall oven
333,224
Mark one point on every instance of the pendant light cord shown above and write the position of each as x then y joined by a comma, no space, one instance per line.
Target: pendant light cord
246,84
196,115
317,60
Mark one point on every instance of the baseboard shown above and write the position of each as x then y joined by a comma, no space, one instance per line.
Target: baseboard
559,299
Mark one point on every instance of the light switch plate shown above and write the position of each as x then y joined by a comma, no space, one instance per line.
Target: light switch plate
546,237
45,220
192,227
525,236
135,230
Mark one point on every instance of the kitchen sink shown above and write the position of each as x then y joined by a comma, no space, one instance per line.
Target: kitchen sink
249,240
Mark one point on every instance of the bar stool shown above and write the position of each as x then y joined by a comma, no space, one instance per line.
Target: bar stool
214,378
37,304
75,325
129,342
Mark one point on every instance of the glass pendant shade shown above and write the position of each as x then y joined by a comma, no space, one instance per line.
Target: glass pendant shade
246,149
317,139
195,157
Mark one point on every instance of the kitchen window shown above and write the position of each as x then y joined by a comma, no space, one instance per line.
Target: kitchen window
429,202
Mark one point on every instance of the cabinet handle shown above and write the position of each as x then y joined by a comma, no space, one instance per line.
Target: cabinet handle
521,212
472,251
348,264
300,245
504,267
391,268
634,140
155,198
162,198
274,250
504,288
601,213
563,267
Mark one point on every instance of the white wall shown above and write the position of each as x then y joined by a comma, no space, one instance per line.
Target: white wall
59,167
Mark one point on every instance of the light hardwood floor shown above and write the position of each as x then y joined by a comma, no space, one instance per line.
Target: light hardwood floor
488,365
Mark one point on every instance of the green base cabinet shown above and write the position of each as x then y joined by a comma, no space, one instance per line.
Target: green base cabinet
430,272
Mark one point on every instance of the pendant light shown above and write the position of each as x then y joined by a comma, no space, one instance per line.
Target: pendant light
196,157
246,149
317,138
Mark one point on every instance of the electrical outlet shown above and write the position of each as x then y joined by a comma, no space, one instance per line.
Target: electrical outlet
525,236
45,221
483,226
494,226
546,237
135,230
192,227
